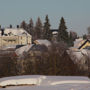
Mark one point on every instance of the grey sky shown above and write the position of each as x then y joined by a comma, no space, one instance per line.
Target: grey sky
75,12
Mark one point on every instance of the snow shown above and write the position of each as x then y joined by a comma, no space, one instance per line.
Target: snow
18,82
15,32
9,46
55,32
78,42
22,80
43,42
46,82
78,55
23,49
70,82
81,53
84,52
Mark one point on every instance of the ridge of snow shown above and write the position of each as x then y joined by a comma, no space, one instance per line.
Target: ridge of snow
25,81
70,82
42,80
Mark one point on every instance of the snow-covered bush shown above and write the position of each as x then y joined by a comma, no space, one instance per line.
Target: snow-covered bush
55,61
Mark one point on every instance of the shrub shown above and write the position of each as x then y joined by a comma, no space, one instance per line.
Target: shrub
7,66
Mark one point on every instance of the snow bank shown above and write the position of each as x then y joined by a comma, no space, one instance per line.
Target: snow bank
22,81
19,82
42,80
70,82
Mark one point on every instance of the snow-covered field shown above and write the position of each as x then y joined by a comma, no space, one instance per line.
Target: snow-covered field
45,83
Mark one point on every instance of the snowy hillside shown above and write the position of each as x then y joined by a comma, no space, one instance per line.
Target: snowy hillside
46,82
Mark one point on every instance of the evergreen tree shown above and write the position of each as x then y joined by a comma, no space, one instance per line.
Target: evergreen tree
0,27
84,36
62,32
38,29
23,25
70,40
73,35
47,32
31,27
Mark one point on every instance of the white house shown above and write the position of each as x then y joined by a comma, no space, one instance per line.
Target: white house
15,36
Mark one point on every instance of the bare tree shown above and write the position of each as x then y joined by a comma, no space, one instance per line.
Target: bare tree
7,65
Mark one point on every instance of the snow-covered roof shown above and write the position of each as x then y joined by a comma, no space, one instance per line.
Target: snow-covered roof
23,49
42,42
54,32
41,48
15,31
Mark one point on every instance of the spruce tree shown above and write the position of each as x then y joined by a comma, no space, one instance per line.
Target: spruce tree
38,28
47,32
62,32
23,25
0,27
31,27
70,40
84,36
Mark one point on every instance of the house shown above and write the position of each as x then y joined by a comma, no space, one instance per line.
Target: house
85,45
77,44
54,34
54,31
80,44
14,36
80,52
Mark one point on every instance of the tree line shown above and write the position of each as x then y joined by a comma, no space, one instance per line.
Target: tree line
39,31
43,31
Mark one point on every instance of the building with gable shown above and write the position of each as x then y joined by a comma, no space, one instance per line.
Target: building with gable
14,36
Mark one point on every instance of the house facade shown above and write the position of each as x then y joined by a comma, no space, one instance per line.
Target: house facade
85,45
15,37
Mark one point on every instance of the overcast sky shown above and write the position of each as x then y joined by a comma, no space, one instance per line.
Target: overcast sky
75,12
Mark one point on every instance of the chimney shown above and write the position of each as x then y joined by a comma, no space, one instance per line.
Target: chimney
17,26
10,26
2,32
